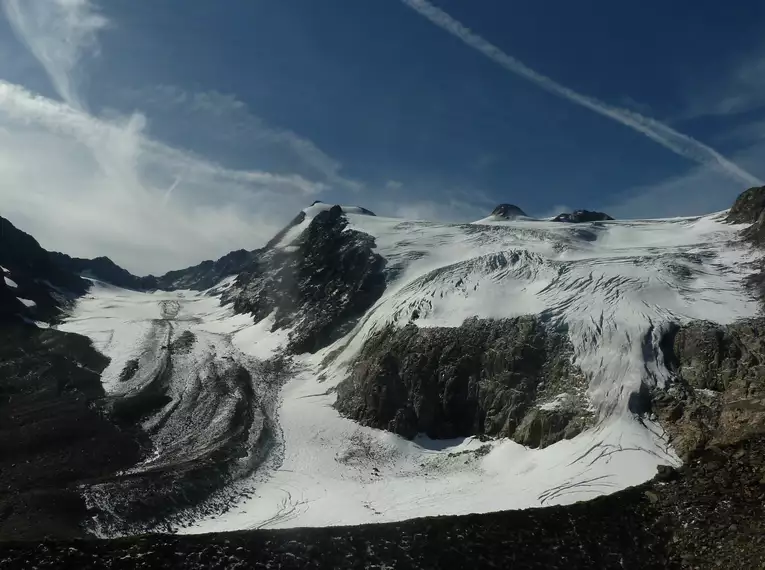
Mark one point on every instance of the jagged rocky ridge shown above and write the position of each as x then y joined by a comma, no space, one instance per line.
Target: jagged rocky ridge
197,278
330,277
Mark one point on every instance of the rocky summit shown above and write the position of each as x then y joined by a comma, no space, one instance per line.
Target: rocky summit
581,216
373,392
507,211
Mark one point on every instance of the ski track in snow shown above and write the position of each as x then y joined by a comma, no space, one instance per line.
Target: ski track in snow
615,285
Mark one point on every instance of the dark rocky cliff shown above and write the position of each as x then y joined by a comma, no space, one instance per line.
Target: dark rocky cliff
324,282
486,377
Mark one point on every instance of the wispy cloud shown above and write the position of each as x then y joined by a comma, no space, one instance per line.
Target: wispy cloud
233,126
741,90
57,32
91,185
660,133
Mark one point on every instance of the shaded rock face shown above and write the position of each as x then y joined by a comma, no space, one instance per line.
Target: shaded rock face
486,377
33,275
507,211
581,216
324,282
718,391
749,208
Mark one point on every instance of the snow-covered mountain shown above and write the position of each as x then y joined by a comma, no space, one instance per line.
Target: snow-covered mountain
365,369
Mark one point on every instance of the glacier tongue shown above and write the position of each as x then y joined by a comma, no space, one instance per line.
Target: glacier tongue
615,286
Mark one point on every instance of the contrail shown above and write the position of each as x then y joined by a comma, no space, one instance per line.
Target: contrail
666,136
169,191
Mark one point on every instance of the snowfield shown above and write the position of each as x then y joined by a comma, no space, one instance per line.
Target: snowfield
616,285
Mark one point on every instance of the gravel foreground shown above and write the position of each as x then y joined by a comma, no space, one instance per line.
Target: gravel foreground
711,514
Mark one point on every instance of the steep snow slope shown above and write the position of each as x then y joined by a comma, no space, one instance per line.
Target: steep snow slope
616,286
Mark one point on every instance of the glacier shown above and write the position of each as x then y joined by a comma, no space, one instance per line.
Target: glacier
616,285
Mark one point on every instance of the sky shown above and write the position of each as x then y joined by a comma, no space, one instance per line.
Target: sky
165,133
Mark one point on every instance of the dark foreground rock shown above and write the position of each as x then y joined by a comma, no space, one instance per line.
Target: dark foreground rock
581,216
53,434
709,515
324,284
486,377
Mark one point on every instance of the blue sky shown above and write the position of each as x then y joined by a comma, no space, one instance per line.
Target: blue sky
161,133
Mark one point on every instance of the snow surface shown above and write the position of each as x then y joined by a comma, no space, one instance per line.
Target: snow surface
10,282
616,286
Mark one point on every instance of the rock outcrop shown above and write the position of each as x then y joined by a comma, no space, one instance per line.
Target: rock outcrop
581,216
717,395
749,208
507,211
323,283
486,377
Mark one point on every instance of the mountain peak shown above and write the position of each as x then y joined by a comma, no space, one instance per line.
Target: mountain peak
507,211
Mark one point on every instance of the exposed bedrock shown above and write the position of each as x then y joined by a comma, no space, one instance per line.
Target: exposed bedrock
749,208
323,283
717,392
505,377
